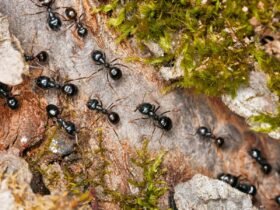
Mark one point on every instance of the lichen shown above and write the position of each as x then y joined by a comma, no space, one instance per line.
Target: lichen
214,38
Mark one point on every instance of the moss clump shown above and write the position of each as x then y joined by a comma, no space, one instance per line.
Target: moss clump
272,122
150,188
209,37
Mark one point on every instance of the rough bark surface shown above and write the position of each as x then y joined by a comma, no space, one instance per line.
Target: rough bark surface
202,193
70,58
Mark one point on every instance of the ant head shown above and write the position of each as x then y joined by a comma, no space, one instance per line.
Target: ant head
255,153
115,73
228,178
204,131
165,123
43,82
52,110
42,56
219,141
81,30
113,117
12,103
70,13
54,23
266,168
92,104
247,188
28,58
70,89
98,57
145,108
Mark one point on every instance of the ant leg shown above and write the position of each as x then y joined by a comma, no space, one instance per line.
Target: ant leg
160,138
37,13
81,16
110,85
119,64
32,43
111,106
115,103
164,112
38,5
87,77
68,27
142,118
116,134
153,132
112,61
155,110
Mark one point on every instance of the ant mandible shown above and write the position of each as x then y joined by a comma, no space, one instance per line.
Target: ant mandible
207,133
53,20
94,104
68,126
5,92
71,14
256,154
234,182
47,83
150,110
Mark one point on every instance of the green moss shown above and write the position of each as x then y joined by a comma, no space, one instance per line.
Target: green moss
273,122
208,37
151,186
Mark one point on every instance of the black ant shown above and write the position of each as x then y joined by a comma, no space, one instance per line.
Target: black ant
256,154
5,92
234,182
100,59
53,20
53,112
94,104
47,83
207,133
42,57
71,14
150,110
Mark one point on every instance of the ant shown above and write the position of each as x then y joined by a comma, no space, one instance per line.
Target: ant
256,154
42,57
53,112
150,110
53,20
94,104
234,182
100,59
207,133
71,14
5,92
47,83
